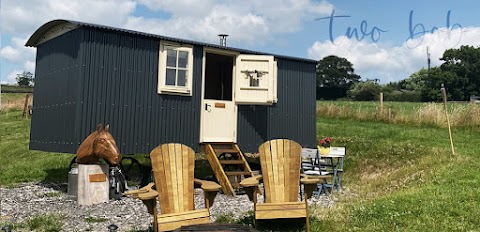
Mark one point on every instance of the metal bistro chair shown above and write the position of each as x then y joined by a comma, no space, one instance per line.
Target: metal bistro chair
311,168
334,167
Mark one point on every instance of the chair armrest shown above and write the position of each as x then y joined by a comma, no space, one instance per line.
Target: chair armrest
150,195
310,179
210,190
208,186
250,185
310,183
145,193
251,181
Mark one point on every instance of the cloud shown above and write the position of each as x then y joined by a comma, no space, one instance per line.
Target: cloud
10,53
288,15
181,8
24,17
17,53
247,21
241,27
10,79
20,19
29,66
394,63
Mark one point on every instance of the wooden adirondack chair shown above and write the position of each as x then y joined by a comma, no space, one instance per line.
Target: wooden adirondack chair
280,160
173,166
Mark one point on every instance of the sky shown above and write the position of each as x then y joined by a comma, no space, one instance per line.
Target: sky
385,40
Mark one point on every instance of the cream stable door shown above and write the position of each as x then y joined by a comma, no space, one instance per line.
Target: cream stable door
219,121
230,80
218,110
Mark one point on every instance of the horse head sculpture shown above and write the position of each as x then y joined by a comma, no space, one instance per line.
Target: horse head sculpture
99,144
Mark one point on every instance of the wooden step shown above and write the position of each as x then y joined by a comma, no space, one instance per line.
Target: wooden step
216,154
219,151
237,173
222,145
218,171
232,162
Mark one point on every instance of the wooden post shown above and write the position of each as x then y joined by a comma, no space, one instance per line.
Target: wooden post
25,107
389,114
444,96
381,102
308,215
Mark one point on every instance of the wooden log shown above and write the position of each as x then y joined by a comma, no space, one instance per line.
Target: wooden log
93,186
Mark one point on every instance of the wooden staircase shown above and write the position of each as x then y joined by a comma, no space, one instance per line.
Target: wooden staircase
227,160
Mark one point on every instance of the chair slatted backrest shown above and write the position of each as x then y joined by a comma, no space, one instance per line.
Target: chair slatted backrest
280,160
173,166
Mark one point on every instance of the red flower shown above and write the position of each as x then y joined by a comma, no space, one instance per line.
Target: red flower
325,142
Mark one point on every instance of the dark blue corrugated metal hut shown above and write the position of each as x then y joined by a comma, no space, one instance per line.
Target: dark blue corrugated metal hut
153,89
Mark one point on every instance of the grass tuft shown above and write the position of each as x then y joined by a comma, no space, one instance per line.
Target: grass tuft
50,194
49,222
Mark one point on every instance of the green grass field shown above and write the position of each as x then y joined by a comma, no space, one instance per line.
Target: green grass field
17,162
403,178
398,177
461,114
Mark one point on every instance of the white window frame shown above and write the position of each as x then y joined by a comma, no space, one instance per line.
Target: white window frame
162,70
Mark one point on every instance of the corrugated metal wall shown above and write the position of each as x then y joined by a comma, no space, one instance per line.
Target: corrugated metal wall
114,81
292,117
93,75
57,81
120,89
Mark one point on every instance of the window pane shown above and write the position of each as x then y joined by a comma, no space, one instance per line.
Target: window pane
182,78
182,59
170,78
171,58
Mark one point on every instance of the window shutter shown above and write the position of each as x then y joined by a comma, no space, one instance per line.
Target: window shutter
255,80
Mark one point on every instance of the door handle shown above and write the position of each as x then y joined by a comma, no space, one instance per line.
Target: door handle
207,107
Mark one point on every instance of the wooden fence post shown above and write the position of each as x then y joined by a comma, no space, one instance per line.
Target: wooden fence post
444,96
381,102
25,107
389,114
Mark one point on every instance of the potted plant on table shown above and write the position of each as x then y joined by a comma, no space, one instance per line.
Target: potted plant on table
324,145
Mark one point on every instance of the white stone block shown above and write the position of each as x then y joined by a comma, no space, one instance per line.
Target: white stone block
93,185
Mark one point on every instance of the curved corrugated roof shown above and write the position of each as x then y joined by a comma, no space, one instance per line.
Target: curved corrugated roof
49,29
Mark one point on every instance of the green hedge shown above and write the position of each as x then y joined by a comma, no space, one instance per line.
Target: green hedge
16,89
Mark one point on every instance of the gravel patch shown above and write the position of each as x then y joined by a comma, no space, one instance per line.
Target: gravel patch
31,200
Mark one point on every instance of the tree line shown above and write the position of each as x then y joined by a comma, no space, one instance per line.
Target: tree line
459,73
